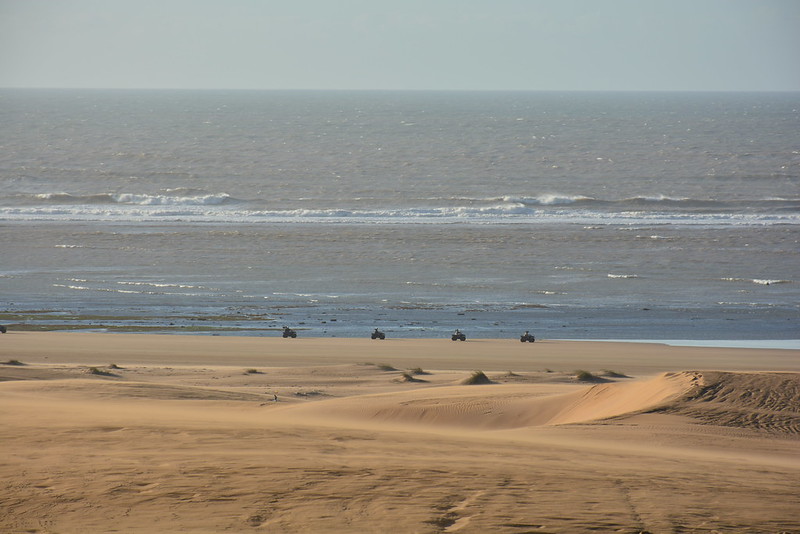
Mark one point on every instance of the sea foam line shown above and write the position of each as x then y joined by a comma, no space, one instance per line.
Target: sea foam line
142,199
498,213
758,281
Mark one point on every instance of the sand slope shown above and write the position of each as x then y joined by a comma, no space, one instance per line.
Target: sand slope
354,447
767,401
503,406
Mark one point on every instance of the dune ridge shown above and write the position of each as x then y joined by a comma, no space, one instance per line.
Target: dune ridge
761,401
503,406
756,400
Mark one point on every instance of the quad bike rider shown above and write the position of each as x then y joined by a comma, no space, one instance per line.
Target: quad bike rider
288,332
377,334
527,337
458,335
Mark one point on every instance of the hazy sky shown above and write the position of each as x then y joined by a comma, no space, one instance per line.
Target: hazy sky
735,45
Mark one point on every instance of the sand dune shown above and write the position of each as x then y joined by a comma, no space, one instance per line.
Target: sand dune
504,406
768,401
170,444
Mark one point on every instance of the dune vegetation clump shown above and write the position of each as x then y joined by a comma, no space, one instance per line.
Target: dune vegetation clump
386,367
613,374
409,377
252,372
12,362
99,372
585,376
477,377
418,371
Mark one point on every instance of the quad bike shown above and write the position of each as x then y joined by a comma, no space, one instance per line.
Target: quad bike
527,337
377,334
288,332
458,335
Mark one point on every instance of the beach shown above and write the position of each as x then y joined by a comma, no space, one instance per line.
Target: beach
187,433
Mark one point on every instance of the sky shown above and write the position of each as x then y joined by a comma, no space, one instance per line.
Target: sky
566,45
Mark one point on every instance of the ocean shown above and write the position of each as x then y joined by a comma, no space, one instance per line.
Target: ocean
655,216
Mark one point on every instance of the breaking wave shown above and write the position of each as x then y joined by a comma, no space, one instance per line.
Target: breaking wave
758,281
131,198
202,206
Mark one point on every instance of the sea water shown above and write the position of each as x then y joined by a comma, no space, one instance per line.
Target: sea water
572,215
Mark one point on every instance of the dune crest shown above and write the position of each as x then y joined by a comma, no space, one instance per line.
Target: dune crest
494,407
760,401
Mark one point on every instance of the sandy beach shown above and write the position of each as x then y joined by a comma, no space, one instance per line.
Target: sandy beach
168,433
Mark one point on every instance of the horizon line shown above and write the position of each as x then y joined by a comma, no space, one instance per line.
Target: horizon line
365,90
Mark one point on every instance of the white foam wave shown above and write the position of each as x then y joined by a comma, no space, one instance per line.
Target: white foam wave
655,237
757,281
127,291
176,197
170,200
553,199
746,304
70,286
215,208
610,275
164,285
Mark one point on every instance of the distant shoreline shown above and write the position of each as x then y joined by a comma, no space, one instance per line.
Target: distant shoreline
639,358
789,344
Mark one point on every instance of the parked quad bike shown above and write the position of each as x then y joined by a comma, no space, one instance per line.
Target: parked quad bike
377,334
288,332
458,336
527,337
